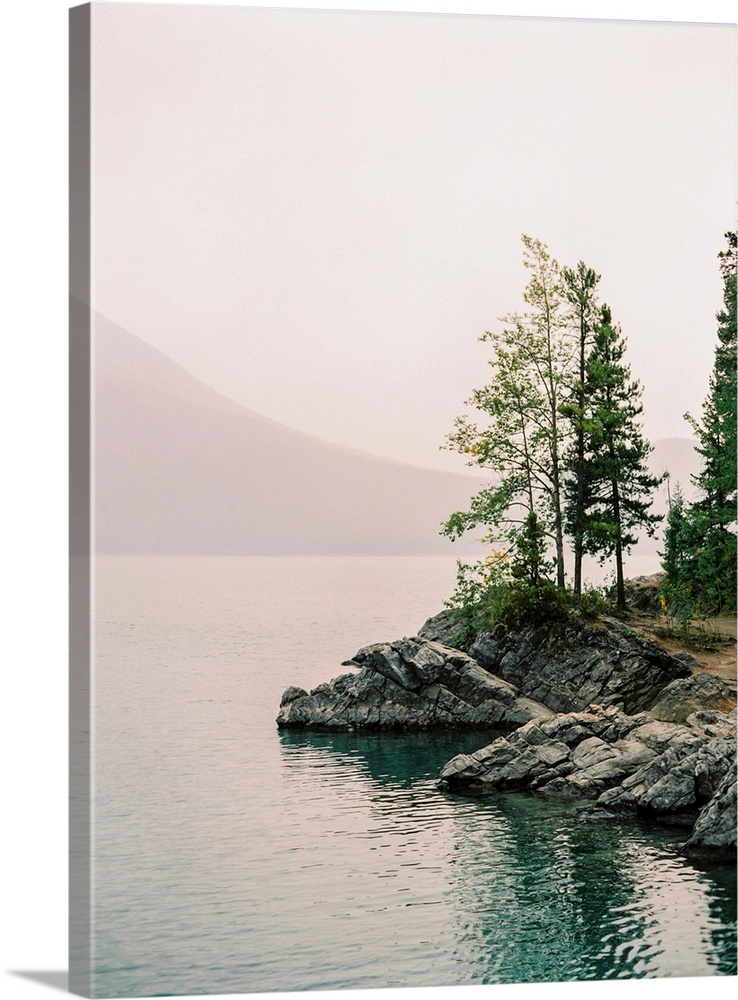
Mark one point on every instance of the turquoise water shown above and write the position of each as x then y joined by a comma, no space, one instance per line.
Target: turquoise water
230,857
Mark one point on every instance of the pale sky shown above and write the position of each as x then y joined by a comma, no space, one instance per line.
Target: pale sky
318,213
35,74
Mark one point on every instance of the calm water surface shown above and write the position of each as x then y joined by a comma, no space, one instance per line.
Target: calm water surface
232,858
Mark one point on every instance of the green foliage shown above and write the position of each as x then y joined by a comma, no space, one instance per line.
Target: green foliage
700,541
530,566
488,594
479,589
517,434
611,496
593,602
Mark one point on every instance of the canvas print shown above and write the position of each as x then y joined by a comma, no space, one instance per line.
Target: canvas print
403,526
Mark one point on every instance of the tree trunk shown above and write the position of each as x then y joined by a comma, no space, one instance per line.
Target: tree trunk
556,497
619,578
579,512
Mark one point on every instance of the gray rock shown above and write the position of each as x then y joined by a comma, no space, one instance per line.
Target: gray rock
630,765
642,592
574,663
562,756
440,628
409,684
715,829
686,695
713,723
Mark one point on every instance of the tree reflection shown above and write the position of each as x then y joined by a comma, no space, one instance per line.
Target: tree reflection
531,891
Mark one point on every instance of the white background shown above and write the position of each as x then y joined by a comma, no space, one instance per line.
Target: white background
33,888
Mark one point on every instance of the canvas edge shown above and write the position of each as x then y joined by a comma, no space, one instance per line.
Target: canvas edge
80,829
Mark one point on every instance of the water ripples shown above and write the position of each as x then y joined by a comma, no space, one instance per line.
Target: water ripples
232,858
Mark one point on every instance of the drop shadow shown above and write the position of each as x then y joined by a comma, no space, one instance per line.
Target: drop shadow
54,980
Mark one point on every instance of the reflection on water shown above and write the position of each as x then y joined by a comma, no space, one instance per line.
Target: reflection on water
230,858
530,891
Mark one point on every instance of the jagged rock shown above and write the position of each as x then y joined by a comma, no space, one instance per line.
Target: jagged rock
575,663
409,684
715,828
713,723
686,695
574,755
602,715
440,628
677,783
630,765
642,592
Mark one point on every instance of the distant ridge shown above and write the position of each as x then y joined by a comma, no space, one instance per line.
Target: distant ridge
179,468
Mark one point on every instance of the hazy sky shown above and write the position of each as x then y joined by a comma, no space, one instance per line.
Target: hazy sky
319,213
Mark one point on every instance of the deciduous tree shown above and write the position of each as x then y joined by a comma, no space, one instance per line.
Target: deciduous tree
520,440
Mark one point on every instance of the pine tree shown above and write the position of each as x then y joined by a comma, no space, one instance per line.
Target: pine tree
678,560
714,513
617,483
529,565
580,291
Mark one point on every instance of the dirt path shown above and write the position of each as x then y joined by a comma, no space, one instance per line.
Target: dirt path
720,633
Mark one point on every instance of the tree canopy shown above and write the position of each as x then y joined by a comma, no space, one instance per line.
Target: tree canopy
557,425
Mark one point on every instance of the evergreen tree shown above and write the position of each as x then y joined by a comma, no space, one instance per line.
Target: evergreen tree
678,560
617,483
580,291
529,565
714,513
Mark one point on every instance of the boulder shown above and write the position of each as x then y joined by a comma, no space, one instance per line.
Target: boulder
642,592
409,684
626,765
698,693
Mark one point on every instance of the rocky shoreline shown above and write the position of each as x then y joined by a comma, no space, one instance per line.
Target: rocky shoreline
589,710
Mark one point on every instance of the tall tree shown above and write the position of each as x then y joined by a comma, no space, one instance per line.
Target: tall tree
678,560
521,441
714,513
580,286
617,483
539,335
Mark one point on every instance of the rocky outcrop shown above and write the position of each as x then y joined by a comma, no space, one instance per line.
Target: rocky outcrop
716,824
594,711
576,663
642,592
409,684
701,692
627,765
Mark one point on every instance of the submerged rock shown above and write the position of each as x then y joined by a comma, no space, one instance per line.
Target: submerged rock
409,684
629,765
601,714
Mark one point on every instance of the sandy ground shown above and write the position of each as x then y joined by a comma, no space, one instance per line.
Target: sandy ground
721,661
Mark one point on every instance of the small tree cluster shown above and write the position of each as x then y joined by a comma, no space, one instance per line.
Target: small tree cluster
560,431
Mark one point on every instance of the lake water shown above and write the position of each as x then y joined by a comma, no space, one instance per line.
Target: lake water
230,857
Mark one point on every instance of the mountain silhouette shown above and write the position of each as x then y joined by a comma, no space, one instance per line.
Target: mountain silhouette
180,468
